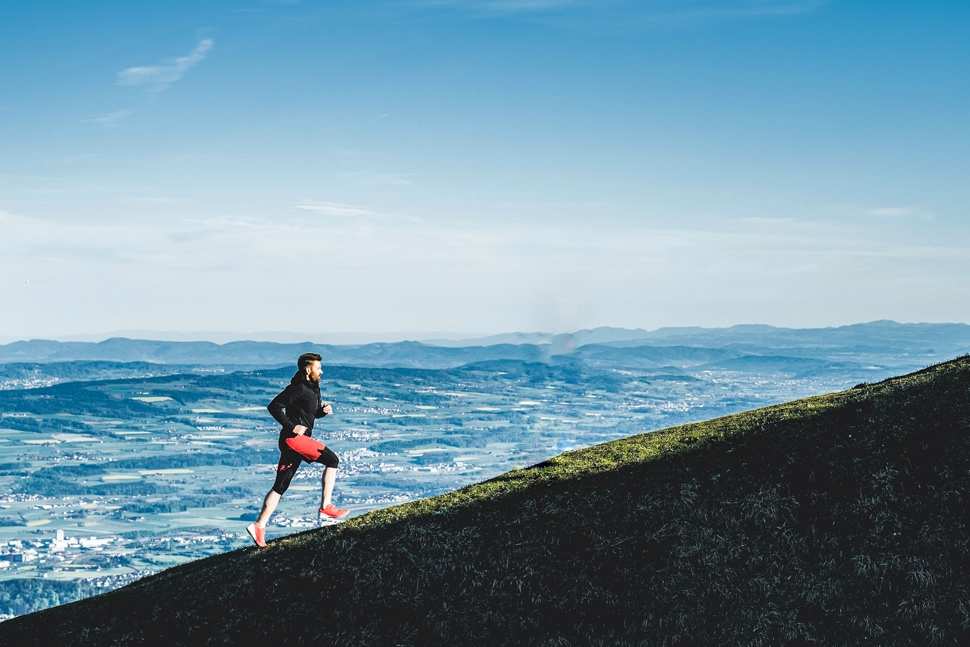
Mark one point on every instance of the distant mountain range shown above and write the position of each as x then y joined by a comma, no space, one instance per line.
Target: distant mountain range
261,353
880,332
899,343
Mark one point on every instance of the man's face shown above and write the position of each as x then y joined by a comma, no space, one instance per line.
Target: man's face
314,370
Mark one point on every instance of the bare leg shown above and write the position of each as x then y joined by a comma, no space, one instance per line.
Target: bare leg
270,502
329,476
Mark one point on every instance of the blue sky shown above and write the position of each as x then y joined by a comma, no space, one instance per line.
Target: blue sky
481,165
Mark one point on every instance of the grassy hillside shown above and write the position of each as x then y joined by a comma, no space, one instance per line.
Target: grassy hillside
835,519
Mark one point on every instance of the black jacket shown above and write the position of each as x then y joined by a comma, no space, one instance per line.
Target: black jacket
298,404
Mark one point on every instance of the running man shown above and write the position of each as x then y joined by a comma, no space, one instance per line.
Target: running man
295,408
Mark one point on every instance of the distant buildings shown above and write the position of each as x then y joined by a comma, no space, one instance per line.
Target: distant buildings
17,551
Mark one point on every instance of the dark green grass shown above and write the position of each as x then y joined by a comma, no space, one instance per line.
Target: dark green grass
839,519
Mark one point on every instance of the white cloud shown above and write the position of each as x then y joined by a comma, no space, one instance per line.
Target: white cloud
335,209
504,6
174,270
381,179
354,212
901,212
766,220
159,77
659,10
891,211
110,118
226,242
76,158
749,8
7,218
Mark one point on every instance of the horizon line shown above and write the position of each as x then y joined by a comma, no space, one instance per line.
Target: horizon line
416,336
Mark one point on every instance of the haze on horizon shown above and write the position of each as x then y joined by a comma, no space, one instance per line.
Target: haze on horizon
481,165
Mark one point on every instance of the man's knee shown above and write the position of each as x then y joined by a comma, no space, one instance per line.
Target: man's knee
280,488
284,474
328,458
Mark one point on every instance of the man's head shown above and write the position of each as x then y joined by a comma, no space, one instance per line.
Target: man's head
310,364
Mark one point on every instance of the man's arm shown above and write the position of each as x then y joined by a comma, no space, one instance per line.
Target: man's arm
324,409
276,407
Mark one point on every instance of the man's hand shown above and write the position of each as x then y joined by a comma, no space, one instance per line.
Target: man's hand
327,409
299,430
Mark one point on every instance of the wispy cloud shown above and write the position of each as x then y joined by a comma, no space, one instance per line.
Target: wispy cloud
77,158
158,77
765,220
502,6
891,211
901,212
335,209
6,217
244,241
654,11
110,118
742,8
377,178
449,269
267,6
361,215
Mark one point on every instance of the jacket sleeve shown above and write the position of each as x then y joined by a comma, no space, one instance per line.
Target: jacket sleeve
279,403
320,412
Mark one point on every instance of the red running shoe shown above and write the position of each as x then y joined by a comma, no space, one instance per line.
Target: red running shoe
333,512
258,534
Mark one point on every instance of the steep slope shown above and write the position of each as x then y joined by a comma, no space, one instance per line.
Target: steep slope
835,519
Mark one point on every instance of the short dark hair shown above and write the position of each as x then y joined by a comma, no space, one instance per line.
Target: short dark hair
306,358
